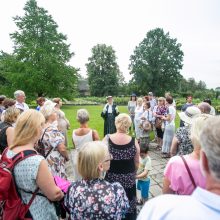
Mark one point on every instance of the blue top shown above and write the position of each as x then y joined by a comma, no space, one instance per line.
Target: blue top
201,205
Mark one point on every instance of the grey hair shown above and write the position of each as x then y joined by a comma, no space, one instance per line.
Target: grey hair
18,92
82,116
210,143
204,107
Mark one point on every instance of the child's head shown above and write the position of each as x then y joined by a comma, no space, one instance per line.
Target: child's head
143,150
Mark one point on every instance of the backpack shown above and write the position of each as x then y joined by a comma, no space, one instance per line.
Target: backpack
11,204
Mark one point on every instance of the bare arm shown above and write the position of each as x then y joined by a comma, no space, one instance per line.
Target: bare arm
142,175
95,135
10,135
166,186
46,183
137,155
62,150
174,145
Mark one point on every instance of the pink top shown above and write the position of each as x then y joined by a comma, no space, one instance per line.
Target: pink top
178,176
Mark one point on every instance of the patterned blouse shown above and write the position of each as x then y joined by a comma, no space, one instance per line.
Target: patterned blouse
185,144
96,199
52,138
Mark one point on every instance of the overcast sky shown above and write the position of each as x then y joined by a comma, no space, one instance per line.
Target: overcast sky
124,24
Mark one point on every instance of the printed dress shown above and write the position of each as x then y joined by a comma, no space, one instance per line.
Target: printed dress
52,139
122,170
96,199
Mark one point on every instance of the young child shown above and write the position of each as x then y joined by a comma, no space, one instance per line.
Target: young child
143,183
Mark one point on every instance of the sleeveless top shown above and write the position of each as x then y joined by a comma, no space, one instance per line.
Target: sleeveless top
25,173
79,141
3,137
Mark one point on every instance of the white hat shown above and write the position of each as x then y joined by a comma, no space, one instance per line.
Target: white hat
191,113
50,103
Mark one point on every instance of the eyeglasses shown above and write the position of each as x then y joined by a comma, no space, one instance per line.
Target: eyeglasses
109,158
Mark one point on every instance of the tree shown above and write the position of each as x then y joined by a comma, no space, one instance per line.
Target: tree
103,71
156,63
41,54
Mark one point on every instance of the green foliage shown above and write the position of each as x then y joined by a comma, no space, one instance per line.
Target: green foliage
40,55
103,71
156,63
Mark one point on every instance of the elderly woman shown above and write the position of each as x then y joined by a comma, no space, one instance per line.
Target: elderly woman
6,128
53,141
177,178
109,112
125,151
181,143
81,136
20,100
139,110
93,197
63,122
33,172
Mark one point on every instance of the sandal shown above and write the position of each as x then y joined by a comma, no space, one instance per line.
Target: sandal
166,156
158,147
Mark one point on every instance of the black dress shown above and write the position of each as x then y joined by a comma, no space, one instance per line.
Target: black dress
109,120
122,170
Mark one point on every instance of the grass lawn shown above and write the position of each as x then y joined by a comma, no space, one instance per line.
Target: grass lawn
96,122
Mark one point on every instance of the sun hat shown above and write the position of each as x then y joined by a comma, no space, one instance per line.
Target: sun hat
191,113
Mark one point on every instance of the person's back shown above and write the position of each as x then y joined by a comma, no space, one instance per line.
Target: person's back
201,205
25,174
95,199
179,178
81,136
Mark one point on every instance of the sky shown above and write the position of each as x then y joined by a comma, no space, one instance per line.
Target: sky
123,24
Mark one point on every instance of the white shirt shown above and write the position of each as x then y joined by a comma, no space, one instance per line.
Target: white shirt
22,106
172,113
201,205
212,112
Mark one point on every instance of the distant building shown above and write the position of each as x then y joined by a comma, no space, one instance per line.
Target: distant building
83,87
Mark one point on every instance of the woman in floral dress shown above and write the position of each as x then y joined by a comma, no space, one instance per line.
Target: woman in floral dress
93,197
53,141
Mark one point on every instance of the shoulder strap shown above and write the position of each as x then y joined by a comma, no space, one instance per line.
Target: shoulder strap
188,170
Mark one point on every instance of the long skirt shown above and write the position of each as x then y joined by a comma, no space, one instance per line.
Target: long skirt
167,138
138,130
109,124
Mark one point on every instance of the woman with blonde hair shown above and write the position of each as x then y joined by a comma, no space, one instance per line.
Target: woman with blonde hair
32,172
182,173
6,127
53,141
125,151
93,197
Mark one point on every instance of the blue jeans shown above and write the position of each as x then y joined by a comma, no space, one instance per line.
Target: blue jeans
144,187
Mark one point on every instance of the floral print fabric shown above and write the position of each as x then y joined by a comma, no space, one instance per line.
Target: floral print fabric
52,139
185,144
96,199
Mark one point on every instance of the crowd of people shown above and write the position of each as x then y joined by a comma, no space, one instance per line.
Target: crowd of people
108,172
